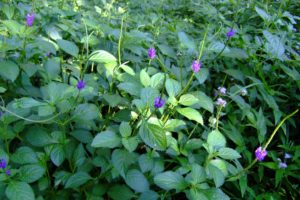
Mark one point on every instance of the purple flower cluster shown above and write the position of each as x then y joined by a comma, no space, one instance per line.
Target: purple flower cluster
158,102
80,84
3,165
260,153
196,66
222,90
151,53
221,102
230,33
30,19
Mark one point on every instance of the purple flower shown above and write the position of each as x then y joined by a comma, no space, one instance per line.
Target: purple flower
196,66
8,172
151,53
80,85
282,165
230,33
3,164
1,114
158,102
222,90
30,19
287,156
260,153
221,102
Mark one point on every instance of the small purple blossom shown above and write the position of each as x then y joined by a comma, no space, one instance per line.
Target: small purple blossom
260,153
151,53
158,102
3,164
282,165
230,33
7,172
30,19
196,66
1,114
222,90
80,85
221,102
287,156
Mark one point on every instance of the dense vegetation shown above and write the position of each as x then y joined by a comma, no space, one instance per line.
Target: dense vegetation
161,99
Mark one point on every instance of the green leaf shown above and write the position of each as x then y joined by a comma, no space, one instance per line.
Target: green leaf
157,80
82,136
153,135
263,14
106,139
191,114
186,41
52,67
188,100
174,125
148,96
13,26
215,193
197,175
216,140
38,136
202,75
228,153
121,160
112,99
149,195
77,180
125,129
130,143
31,173
86,112
131,88
173,87
46,110
145,78
27,102
274,45
170,180
216,174
9,70
19,191
195,194
101,56
221,165
68,47
137,181
146,163
118,192
57,154
24,155
204,101
2,89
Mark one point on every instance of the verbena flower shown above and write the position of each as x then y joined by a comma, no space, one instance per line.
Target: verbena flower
230,33
3,164
287,156
221,102
1,114
80,85
7,172
222,90
244,92
30,19
282,165
158,102
151,53
196,66
260,153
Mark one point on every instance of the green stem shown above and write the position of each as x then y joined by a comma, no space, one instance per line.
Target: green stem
119,43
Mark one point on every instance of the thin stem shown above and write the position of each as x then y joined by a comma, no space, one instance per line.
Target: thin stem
119,43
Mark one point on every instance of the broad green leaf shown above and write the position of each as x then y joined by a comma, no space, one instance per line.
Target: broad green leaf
157,80
204,101
24,155
86,112
130,88
118,192
173,87
202,75
263,14
149,195
52,67
31,173
174,125
19,191
170,180
58,154
153,135
137,181
195,194
13,26
186,41
197,175
221,165
82,136
188,100
148,96
112,99
130,143
55,92
2,89
216,174
106,139
215,193
9,70
228,153
101,56
68,47
38,136
46,110
145,78
27,102
216,140
191,114
146,162
274,45
125,129
77,180
121,160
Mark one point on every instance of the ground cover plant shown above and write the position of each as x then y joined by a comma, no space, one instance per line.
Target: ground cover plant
162,99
